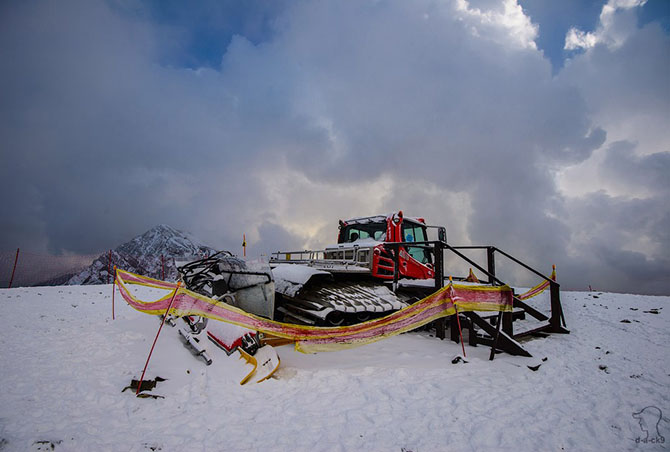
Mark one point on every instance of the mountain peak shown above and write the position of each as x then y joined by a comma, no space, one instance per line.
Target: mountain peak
166,240
152,254
164,228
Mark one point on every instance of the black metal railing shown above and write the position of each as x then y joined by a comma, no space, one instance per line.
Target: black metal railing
556,321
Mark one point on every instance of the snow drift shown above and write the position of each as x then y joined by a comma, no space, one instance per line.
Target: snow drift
65,363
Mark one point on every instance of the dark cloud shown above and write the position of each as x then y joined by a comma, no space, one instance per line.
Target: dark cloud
607,233
623,241
325,110
274,237
621,162
619,234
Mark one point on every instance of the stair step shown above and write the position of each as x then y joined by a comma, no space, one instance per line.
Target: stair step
538,329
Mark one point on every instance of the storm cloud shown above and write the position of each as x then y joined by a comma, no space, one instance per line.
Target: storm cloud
445,109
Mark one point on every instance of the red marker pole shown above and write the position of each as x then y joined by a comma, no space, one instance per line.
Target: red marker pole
16,259
113,290
460,333
458,322
139,385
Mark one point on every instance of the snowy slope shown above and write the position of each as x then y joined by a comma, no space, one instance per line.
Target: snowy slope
143,255
65,361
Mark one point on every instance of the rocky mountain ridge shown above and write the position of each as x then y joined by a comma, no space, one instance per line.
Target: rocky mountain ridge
151,254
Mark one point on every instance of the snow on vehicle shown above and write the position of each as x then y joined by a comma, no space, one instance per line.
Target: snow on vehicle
247,285
350,282
343,283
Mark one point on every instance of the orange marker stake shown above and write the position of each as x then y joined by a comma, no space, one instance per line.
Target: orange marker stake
458,322
156,338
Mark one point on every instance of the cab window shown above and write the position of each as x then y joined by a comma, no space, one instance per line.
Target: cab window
354,232
415,233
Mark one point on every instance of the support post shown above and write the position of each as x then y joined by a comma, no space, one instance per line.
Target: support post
491,263
508,323
497,337
453,328
556,309
441,324
472,333
16,259
396,267
507,317
439,265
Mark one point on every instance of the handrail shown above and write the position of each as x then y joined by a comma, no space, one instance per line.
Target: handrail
423,244
491,276
476,247
471,247
445,245
523,265
313,256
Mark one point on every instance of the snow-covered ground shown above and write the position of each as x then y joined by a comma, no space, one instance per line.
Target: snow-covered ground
64,362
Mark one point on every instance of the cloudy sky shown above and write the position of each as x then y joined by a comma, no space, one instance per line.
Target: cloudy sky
538,126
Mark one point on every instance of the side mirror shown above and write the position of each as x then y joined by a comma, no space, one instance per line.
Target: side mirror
442,234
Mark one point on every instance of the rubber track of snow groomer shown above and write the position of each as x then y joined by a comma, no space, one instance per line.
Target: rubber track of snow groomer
321,301
339,302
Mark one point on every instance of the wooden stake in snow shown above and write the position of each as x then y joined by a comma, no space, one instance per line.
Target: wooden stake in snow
458,321
109,265
156,338
16,259
244,244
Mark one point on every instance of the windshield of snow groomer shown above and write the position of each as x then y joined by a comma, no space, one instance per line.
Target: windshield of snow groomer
353,232
414,232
